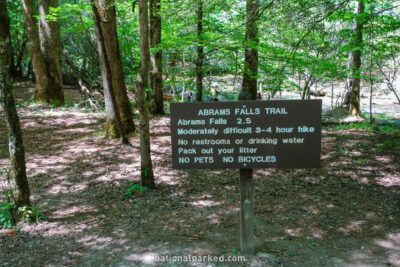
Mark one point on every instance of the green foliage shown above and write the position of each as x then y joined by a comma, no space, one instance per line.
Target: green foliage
301,43
18,34
391,141
7,207
30,215
366,126
388,128
8,210
6,215
378,116
134,188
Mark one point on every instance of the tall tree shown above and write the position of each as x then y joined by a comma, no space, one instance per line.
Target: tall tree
15,143
50,45
147,176
107,23
156,79
200,52
38,64
249,92
251,49
104,59
355,57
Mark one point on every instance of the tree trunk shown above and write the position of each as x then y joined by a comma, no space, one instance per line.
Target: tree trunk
38,65
251,50
174,58
106,64
16,60
200,52
354,108
156,59
20,57
249,92
147,176
107,22
15,143
50,45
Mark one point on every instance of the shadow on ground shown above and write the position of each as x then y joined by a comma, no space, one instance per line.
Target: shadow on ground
344,214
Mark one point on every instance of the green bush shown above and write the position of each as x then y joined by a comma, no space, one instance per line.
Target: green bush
8,210
135,189
357,125
391,141
7,207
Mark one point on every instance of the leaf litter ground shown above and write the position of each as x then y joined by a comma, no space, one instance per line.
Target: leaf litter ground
344,214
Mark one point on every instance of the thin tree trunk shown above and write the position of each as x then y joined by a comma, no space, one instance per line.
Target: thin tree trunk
107,25
16,65
306,89
332,93
354,108
38,64
200,52
156,59
251,50
236,52
29,73
108,73
15,143
147,176
349,82
173,71
389,83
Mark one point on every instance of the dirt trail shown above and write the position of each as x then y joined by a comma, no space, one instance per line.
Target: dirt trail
344,214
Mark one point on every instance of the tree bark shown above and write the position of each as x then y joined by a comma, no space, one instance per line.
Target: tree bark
50,45
147,176
251,50
249,92
200,52
354,108
15,142
174,58
108,25
108,73
38,64
156,59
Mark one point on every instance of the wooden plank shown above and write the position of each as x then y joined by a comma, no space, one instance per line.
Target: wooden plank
246,212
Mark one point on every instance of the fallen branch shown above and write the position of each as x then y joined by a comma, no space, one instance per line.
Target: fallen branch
83,85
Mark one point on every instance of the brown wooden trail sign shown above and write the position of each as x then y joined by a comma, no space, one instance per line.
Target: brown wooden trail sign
246,135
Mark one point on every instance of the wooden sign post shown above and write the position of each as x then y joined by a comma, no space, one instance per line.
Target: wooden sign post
246,211
246,135
246,202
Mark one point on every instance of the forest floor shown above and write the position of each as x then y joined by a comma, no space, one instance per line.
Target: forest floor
346,213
